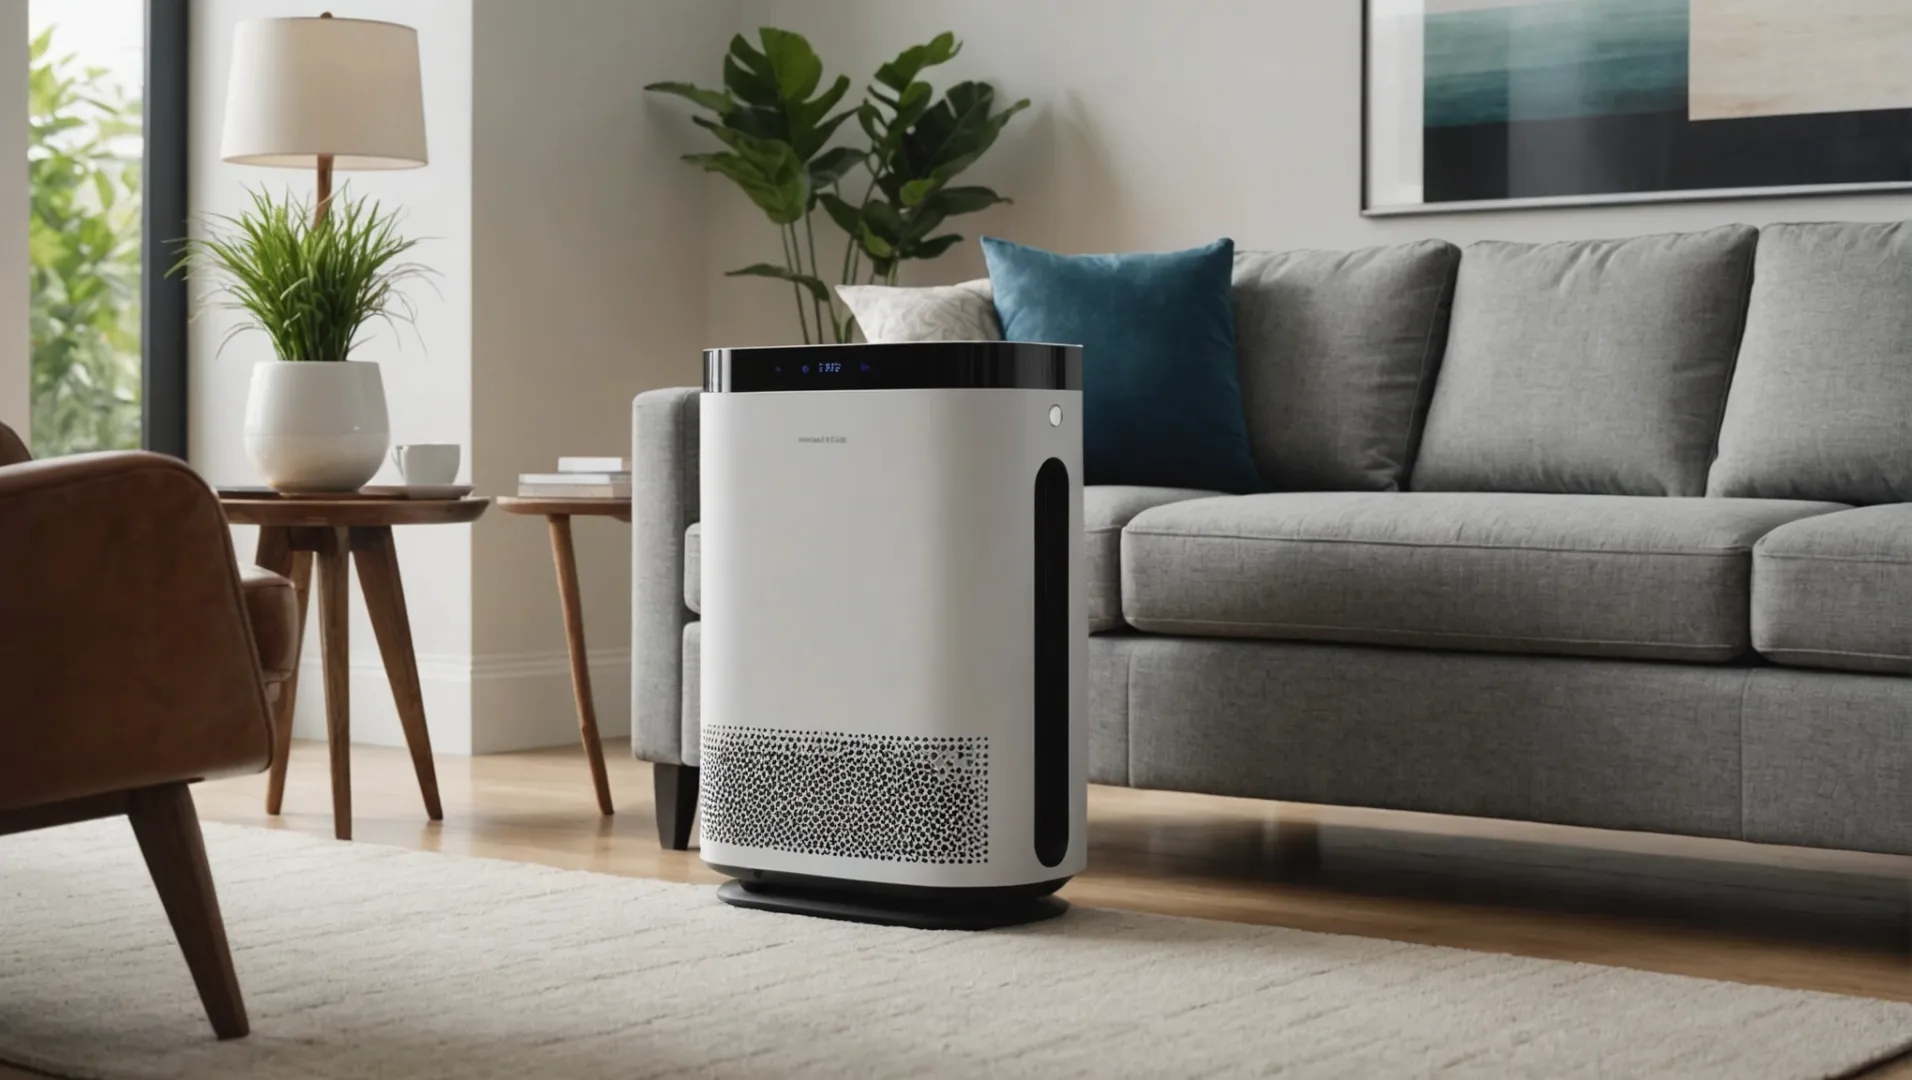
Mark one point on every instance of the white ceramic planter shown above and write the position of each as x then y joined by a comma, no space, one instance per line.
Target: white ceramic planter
316,426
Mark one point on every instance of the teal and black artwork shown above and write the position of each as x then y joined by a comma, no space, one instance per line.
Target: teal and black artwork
1555,99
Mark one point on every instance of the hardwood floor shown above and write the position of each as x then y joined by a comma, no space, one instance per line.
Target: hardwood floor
1790,917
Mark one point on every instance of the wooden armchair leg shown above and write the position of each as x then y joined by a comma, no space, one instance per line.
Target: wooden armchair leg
168,830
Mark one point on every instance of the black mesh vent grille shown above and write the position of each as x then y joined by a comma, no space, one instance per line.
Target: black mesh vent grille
898,798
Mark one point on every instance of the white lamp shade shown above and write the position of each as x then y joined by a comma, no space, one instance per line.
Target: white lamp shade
304,87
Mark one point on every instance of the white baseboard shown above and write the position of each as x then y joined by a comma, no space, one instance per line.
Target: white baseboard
476,705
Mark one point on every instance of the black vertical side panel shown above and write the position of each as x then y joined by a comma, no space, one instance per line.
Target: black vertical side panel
163,221
1052,663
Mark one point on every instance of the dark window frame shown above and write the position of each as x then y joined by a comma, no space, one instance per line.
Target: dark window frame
163,223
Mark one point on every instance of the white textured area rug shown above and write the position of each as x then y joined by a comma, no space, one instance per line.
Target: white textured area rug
365,961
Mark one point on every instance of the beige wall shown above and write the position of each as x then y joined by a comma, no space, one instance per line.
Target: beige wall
13,227
1162,125
588,287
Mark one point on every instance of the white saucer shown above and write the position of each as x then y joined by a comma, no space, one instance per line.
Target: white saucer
417,491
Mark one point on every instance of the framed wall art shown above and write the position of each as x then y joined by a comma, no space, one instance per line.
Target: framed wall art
1485,104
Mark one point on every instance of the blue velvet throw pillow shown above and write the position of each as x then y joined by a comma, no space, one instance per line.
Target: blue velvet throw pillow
1161,401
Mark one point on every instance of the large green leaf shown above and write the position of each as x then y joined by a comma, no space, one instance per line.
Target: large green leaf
910,106
965,200
871,120
885,218
747,75
733,138
960,127
717,101
874,244
808,115
934,246
830,166
783,273
773,179
948,124
774,87
916,191
793,63
847,217
759,123
953,136
903,70
822,132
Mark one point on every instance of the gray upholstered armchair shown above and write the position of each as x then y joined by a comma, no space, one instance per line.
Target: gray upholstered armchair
664,629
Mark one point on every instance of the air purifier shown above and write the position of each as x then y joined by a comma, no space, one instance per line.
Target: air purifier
894,635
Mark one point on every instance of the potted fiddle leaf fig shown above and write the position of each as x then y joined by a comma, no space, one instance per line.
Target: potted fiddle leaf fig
315,417
889,197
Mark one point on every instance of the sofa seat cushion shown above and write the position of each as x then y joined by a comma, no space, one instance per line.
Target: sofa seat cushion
1106,508
1593,575
1836,591
694,568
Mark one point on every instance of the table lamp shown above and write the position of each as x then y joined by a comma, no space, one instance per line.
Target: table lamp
324,94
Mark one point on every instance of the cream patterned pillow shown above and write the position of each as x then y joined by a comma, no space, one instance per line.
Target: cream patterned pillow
965,312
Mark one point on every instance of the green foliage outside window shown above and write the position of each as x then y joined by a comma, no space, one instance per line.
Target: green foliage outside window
83,240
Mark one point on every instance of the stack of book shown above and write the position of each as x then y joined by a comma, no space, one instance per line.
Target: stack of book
580,478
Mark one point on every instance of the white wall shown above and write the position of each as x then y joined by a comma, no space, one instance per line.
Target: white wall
589,283
427,374
1160,125
14,358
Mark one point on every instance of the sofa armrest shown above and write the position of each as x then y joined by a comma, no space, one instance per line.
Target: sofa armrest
126,659
663,504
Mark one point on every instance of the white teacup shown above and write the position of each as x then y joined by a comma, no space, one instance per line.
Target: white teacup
427,463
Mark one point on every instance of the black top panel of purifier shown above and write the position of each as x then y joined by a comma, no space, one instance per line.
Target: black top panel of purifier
928,365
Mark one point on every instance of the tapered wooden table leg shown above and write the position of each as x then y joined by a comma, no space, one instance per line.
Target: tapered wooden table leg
558,514
335,641
377,558
565,556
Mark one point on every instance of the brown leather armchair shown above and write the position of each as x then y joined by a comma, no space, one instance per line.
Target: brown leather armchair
135,658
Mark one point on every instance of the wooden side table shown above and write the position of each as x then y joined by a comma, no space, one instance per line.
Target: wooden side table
293,534
558,514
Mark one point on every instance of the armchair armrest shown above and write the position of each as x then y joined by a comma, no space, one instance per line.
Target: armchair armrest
663,504
126,659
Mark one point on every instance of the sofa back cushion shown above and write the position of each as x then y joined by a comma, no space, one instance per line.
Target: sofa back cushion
1592,367
1338,351
1821,403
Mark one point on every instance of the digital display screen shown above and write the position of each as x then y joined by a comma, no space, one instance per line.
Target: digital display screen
887,366
826,367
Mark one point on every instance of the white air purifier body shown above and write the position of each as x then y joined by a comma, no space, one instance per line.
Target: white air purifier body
894,634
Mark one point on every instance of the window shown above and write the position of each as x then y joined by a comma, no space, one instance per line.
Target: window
106,169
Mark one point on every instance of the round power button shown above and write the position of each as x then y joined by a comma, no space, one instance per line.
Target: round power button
1055,416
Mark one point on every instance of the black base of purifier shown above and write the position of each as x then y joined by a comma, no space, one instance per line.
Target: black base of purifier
892,905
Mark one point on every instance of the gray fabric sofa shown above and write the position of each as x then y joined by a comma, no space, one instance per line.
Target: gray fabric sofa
1610,533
